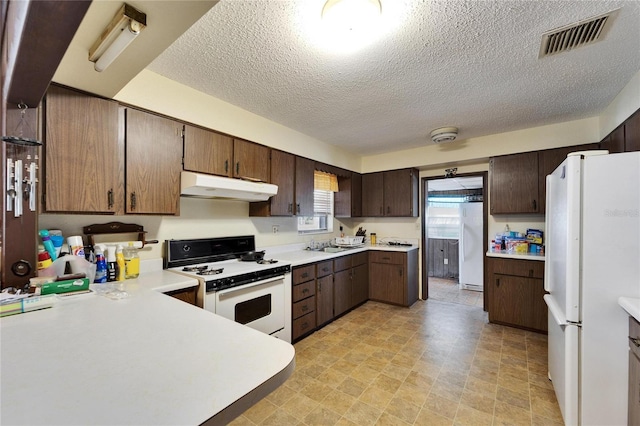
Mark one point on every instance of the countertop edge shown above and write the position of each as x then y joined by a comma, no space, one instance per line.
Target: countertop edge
305,257
536,257
234,410
631,305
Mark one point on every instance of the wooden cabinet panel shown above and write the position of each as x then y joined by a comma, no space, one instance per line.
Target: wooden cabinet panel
632,133
303,307
343,262
359,284
84,151
301,274
305,169
361,258
386,283
514,184
207,152
188,295
251,161
441,249
342,292
304,290
634,390
324,268
396,258
401,193
372,194
348,199
282,174
515,292
153,163
324,300
303,325
614,143
548,161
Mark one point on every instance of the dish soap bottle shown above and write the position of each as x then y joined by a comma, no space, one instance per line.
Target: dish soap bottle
120,262
131,261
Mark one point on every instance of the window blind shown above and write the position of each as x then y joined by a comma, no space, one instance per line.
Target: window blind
322,202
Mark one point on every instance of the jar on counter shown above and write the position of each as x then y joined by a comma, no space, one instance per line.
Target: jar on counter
373,238
131,262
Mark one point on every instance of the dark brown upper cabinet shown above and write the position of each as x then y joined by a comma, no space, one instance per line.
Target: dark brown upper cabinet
392,193
251,161
206,151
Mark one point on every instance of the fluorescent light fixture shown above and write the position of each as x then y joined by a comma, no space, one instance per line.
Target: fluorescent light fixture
123,28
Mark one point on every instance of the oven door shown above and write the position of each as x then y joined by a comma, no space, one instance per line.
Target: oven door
259,305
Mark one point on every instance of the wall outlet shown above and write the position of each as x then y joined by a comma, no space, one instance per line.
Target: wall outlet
446,261
274,228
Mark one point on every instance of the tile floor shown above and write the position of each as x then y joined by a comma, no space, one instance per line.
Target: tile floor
435,363
448,290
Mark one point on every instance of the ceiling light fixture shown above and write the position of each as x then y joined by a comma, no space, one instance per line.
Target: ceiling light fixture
444,134
351,14
123,28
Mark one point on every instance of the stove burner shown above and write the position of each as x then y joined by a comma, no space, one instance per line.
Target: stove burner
210,271
195,268
266,261
393,243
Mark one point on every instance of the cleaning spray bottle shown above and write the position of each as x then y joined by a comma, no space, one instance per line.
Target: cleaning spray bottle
101,265
112,265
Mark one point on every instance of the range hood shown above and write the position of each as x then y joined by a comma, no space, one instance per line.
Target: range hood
209,186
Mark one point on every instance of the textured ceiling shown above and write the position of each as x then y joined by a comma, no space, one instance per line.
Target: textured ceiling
470,64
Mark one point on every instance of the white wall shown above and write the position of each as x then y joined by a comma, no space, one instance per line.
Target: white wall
625,104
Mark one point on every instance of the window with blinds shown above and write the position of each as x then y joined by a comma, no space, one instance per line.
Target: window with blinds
322,220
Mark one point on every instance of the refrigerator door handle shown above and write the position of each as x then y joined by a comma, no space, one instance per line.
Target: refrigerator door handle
555,310
549,265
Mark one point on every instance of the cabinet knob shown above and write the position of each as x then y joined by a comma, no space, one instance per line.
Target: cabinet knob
635,341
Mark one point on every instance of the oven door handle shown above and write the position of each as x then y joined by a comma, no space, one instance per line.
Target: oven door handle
255,284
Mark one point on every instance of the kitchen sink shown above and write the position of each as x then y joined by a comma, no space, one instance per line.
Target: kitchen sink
334,249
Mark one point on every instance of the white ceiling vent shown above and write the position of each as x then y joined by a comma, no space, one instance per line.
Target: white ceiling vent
575,35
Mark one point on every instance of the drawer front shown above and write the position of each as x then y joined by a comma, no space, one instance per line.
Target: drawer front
395,258
342,263
634,333
360,259
303,273
303,307
304,290
518,268
324,268
303,325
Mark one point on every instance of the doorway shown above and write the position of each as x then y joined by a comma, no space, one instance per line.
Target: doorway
454,238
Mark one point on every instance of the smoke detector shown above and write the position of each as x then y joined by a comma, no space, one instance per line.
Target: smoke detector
444,134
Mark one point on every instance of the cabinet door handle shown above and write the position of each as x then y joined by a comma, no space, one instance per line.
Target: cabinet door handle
305,308
305,290
110,198
133,201
400,271
290,209
497,282
226,166
386,258
531,272
381,211
298,208
535,205
305,275
319,287
304,325
388,209
635,341
237,168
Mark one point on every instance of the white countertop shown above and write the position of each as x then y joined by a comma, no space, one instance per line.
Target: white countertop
147,359
528,256
631,305
299,256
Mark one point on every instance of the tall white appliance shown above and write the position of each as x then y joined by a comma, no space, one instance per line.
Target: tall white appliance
592,258
470,257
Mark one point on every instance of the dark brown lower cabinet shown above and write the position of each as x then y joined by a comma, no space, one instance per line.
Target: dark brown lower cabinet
342,285
515,293
324,300
189,295
393,277
359,284
634,373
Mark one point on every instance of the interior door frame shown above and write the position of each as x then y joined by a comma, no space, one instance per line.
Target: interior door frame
424,184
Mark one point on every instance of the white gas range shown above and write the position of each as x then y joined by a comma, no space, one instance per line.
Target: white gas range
257,294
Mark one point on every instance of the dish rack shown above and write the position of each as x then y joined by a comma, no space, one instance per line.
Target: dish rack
350,241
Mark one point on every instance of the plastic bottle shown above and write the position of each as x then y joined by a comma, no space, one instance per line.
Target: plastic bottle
112,265
48,244
131,261
120,262
101,266
374,239
44,260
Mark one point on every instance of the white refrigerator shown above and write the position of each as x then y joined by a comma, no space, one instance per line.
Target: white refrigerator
592,258
471,255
